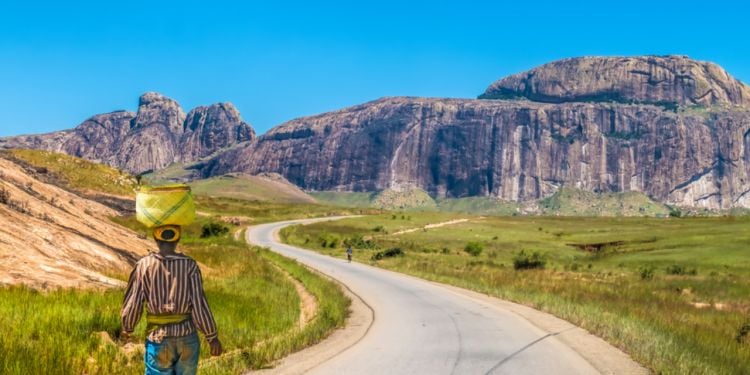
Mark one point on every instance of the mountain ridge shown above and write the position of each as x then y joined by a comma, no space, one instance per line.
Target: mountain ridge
673,128
157,135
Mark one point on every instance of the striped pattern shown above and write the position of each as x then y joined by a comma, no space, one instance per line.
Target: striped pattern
169,284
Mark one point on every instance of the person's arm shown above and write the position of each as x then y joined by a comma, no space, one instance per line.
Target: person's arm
132,305
202,316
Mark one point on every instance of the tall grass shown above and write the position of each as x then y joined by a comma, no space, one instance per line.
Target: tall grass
672,323
255,306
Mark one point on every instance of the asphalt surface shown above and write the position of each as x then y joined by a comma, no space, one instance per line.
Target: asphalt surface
423,328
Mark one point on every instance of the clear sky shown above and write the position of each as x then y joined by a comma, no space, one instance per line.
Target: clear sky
61,62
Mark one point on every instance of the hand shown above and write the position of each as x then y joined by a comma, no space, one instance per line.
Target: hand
216,348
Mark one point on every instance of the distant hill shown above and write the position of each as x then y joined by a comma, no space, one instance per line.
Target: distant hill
574,202
265,187
565,202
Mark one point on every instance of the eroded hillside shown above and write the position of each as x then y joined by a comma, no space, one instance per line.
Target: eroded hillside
51,237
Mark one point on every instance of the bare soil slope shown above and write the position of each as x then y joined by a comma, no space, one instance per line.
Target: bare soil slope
50,237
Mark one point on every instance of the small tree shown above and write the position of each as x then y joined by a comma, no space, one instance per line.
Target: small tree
213,230
526,261
474,248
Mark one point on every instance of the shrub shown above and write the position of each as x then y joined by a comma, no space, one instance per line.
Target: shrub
647,272
390,253
676,269
379,228
742,333
213,230
526,261
474,248
359,242
675,212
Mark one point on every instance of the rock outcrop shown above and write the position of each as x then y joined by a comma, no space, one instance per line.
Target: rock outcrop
673,128
51,237
663,80
156,136
522,150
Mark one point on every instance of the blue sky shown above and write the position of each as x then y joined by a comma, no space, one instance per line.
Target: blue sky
277,60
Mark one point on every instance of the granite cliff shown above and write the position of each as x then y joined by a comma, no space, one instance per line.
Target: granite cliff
157,135
673,128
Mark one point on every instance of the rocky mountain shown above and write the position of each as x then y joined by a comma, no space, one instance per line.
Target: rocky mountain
157,135
665,80
673,128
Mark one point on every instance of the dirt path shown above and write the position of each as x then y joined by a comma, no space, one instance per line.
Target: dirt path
430,226
308,304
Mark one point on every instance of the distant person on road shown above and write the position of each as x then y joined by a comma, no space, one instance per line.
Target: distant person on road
172,286
349,253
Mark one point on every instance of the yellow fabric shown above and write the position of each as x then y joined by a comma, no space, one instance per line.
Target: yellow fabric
164,205
159,233
154,321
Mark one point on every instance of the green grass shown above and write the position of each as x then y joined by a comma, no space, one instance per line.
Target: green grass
565,202
655,320
479,205
574,202
263,212
247,187
343,198
255,306
74,173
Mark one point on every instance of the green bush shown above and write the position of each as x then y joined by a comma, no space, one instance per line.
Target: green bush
213,230
676,269
390,253
474,248
359,242
526,261
742,334
329,240
647,273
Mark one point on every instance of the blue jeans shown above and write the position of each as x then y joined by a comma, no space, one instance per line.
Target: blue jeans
173,356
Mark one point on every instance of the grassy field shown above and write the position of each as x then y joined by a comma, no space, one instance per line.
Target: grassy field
256,308
343,198
265,212
674,293
252,188
74,173
565,202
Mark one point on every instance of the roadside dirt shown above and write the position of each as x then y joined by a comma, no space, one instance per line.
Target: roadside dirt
308,304
430,226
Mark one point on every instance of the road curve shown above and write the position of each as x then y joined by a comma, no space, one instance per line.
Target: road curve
423,328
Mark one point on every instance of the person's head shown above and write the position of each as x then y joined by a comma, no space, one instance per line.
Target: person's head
167,237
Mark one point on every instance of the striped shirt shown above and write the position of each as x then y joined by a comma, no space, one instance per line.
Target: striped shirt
170,284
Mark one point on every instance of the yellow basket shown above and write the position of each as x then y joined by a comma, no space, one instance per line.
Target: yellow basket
164,205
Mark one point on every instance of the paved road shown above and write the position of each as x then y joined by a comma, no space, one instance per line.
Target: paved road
423,328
